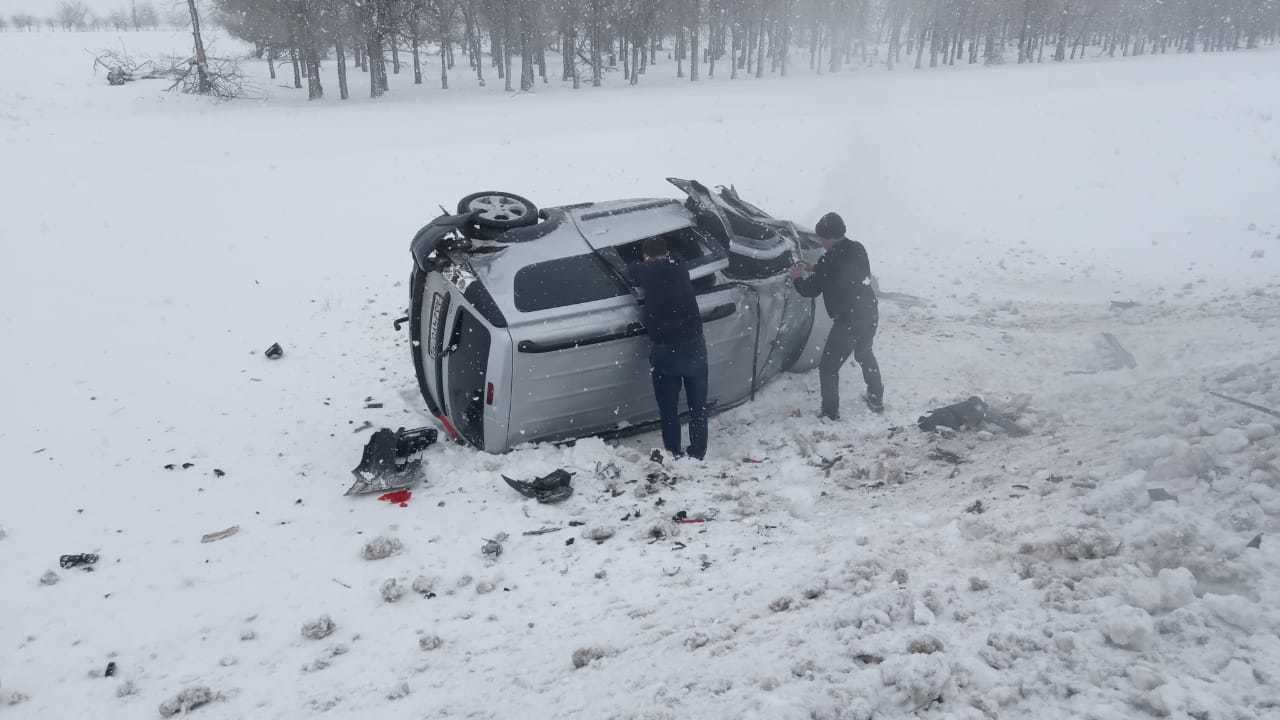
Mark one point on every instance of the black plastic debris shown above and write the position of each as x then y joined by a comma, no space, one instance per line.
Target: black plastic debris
656,456
219,473
970,414
66,562
1256,542
550,488
388,461
1160,494
967,414
111,669
275,352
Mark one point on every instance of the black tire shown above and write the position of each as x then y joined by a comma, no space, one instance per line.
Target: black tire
499,211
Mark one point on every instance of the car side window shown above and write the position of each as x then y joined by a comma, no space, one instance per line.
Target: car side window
565,281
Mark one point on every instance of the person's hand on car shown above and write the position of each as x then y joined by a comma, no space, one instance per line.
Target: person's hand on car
799,269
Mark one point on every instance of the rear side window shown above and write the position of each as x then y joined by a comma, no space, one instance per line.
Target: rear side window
468,367
565,281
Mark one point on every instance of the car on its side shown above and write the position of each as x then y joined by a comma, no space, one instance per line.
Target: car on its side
525,328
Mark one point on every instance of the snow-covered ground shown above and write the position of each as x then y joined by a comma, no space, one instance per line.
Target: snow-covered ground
154,245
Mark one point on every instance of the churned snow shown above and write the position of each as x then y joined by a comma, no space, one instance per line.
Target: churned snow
1119,561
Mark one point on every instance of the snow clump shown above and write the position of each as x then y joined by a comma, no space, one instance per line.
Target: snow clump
381,547
320,628
186,701
1129,627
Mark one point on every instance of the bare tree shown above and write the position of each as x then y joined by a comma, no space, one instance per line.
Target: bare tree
72,15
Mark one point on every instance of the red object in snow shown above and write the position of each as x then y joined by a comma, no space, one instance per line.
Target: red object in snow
399,497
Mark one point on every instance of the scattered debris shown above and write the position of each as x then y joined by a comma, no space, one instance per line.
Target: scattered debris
969,414
247,635
1250,405
569,541
542,531
868,658
492,549
217,472
388,461
220,535
899,576
947,456
1160,494
111,669
551,488
1256,542
391,590
318,629
977,584
586,655
1124,304
781,604
577,523
373,406
341,583
187,700
49,578
599,534
188,465
424,586
275,352
381,547
430,642
228,661
976,508
397,497
925,645
66,562
1117,355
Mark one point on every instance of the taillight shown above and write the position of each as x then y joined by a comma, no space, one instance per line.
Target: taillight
488,395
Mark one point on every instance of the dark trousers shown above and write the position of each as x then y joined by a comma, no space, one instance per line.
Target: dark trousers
850,335
676,366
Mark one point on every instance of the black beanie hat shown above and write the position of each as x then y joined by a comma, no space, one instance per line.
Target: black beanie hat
831,226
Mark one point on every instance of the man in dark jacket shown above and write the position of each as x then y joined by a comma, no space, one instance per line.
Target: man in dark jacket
843,278
678,352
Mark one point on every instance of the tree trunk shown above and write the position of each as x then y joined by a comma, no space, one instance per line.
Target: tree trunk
342,69
395,54
694,34
733,51
202,64
271,62
417,60
760,46
444,67
636,52
297,69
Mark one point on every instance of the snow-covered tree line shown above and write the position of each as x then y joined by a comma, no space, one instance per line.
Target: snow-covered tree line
76,15
738,37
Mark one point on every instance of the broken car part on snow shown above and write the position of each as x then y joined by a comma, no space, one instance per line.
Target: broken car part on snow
969,414
388,461
550,488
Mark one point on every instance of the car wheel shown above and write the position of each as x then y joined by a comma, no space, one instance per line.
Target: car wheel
498,211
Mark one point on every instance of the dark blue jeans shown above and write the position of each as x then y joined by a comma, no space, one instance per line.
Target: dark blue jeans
676,366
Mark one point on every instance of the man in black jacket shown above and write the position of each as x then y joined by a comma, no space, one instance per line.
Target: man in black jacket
678,352
843,278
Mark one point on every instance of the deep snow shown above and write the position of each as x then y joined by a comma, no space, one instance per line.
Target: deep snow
154,245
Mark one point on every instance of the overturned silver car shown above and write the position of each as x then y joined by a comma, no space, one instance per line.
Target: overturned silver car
525,328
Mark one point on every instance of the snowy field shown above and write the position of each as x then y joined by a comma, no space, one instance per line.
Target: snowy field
153,245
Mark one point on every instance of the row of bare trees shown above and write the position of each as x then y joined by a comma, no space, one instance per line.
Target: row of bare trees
734,37
75,15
